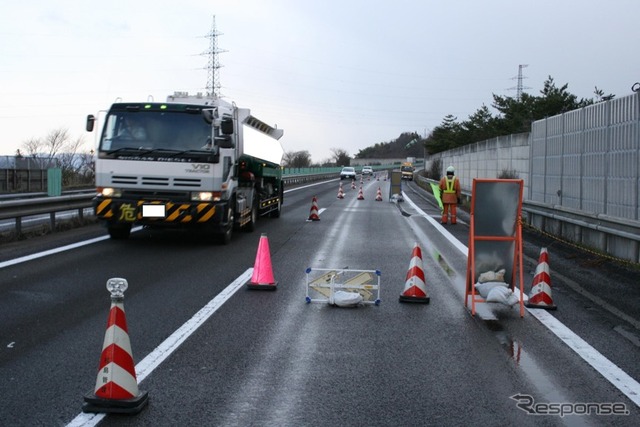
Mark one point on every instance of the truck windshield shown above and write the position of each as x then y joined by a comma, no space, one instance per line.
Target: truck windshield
406,169
155,130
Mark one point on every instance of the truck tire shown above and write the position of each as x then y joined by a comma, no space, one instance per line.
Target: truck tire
225,236
119,231
276,213
251,225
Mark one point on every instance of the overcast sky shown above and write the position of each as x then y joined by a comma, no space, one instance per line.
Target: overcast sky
333,74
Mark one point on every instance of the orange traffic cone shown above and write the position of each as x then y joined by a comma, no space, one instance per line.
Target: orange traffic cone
540,296
340,192
313,214
116,388
262,277
360,195
414,287
379,195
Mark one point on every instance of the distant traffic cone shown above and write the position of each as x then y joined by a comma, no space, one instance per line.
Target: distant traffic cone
353,184
414,287
540,296
116,388
360,195
262,277
340,192
379,195
313,214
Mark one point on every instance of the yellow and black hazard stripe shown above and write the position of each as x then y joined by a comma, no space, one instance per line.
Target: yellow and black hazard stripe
124,211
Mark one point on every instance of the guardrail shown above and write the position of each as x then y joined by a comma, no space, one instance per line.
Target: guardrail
18,209
620,238
25,207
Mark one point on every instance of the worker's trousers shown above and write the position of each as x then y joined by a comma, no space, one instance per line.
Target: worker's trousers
449,207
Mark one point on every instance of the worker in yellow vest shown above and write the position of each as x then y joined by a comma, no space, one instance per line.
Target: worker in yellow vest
450,190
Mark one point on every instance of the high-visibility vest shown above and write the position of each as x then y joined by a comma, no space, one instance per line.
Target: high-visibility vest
450,185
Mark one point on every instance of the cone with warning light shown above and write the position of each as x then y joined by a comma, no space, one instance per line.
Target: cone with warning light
313,213
340,192
262,277
414,287
360,194
540,295
379,195
116,388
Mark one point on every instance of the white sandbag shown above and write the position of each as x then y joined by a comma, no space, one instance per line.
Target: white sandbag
502,295
492,276
484,288
346,299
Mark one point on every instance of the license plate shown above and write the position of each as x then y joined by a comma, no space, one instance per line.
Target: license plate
153,211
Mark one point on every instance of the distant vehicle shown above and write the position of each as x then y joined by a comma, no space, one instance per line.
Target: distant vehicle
348,172
367,170
407,171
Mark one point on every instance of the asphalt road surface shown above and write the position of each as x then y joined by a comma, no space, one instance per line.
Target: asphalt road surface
209,351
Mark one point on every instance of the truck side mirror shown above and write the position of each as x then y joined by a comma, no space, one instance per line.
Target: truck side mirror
207,115
91,120
227,126
224,142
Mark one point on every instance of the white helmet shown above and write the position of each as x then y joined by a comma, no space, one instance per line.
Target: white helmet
450,170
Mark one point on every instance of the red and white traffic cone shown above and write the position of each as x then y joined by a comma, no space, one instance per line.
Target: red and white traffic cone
360,194
116,388
414,287
540,296
340,192
313,213
353,184
379,195
262,277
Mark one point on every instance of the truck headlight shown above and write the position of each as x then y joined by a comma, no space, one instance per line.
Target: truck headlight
205,196
109,192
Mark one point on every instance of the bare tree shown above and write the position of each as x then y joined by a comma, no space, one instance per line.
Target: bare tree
297,159
58,149
341,157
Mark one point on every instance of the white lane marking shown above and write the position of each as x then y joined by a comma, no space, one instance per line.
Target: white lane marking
57,250
609,370
147,365
462,248
604,366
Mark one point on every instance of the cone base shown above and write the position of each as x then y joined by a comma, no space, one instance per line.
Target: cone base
313,219
263,286
545,306
422,300
92,403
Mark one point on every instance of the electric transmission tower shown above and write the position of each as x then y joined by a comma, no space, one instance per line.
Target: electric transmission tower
213,65
519,88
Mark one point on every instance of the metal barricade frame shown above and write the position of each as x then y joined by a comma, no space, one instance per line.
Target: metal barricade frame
323,287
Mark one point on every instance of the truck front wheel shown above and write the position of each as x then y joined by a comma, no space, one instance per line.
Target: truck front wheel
225,236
